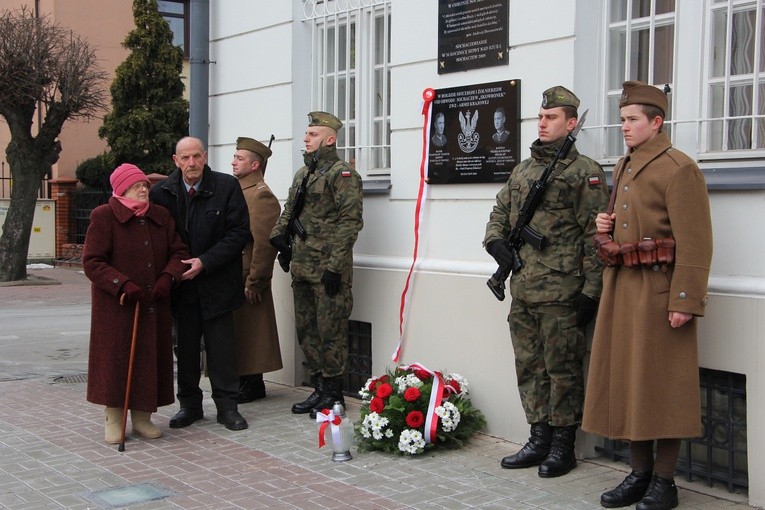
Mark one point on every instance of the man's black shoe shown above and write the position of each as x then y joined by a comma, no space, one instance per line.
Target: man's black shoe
660,495
251,387
631,490
232,420
185,417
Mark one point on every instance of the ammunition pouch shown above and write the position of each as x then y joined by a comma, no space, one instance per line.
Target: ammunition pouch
607,250
648,252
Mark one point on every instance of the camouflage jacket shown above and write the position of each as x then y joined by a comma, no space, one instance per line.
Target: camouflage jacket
576,192
332,218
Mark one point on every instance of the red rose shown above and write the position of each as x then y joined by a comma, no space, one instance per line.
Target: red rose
422,375
384,378
455,386
376,405
373,385
412,394
415,419
384,390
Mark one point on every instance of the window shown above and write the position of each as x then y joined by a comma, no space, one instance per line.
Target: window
351,77
735,77
176,13
640,46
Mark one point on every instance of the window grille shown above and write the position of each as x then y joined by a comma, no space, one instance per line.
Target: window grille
720,454
359,357
351,76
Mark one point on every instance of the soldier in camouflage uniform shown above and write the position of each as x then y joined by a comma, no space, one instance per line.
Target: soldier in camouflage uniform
322,261
555,293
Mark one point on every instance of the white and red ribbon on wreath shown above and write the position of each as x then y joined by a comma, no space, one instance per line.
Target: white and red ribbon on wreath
428,95
327,417
436,399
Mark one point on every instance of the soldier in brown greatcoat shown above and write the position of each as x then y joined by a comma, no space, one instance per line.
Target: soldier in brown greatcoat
257,340
643,381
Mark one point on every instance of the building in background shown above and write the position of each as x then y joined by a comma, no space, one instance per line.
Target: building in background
104,24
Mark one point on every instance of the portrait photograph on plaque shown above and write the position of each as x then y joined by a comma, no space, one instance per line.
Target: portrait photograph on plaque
472,34
474,133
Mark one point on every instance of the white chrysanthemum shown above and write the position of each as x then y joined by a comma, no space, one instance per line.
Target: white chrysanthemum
364,392
450,416
388,433
410,441
407,381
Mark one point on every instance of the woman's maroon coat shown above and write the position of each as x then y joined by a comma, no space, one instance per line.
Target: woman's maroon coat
120,246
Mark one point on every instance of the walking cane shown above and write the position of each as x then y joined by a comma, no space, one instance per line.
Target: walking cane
121,447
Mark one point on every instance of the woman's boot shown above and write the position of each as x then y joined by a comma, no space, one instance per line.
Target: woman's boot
113,425
143,426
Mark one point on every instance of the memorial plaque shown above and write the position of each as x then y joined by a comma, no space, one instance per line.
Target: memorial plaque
471,34
474,133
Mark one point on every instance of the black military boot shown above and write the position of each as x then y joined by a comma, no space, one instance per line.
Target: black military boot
631,490
333,392
317,381
660,495
251,387
561,459
534,451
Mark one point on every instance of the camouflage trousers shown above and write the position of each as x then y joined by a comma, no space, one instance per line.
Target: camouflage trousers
549,351
322,327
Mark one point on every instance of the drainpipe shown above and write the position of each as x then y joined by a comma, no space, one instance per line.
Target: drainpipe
199,60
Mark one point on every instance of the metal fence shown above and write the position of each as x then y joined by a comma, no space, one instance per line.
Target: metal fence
87,200
6,183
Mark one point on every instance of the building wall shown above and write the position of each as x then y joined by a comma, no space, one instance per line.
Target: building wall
104,24
260,84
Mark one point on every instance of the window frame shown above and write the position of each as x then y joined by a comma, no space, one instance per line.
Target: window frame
364,108
186,23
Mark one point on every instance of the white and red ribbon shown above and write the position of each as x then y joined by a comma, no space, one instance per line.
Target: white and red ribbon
428,95
436,398
327,417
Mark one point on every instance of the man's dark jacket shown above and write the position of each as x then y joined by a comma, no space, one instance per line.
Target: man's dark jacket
216,231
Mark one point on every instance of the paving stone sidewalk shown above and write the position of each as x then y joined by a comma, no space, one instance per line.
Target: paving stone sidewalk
52,454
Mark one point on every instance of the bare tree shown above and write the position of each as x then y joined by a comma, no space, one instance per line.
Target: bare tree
47,67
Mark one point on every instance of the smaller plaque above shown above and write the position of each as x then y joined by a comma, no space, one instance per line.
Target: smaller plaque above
471,34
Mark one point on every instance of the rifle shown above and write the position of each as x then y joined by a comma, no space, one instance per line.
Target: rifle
294,227
265,163
522,233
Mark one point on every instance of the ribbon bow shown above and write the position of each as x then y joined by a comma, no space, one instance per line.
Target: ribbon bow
327,417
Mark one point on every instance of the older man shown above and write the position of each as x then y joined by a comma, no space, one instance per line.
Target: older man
211,216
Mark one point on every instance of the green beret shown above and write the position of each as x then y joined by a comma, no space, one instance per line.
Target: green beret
638,92
324,119
255,146
557,96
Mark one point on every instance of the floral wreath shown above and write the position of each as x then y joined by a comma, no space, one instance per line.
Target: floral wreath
400,412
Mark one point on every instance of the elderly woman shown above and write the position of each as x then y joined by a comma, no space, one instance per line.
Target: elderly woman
132,255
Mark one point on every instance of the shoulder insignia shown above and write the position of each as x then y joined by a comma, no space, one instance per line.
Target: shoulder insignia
593,180
346,173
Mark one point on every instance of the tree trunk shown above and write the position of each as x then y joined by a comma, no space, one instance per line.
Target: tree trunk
14,242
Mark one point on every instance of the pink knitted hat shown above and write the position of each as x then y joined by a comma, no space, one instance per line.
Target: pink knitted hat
125,176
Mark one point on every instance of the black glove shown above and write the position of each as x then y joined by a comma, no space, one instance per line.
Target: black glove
131,291
587,309
284,262
283,244
501,253
332,283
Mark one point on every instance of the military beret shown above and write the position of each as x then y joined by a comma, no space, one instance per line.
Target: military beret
324,119
559,96
255,146
638,92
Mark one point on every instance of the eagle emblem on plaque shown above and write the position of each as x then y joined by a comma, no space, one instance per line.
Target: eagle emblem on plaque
468,139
